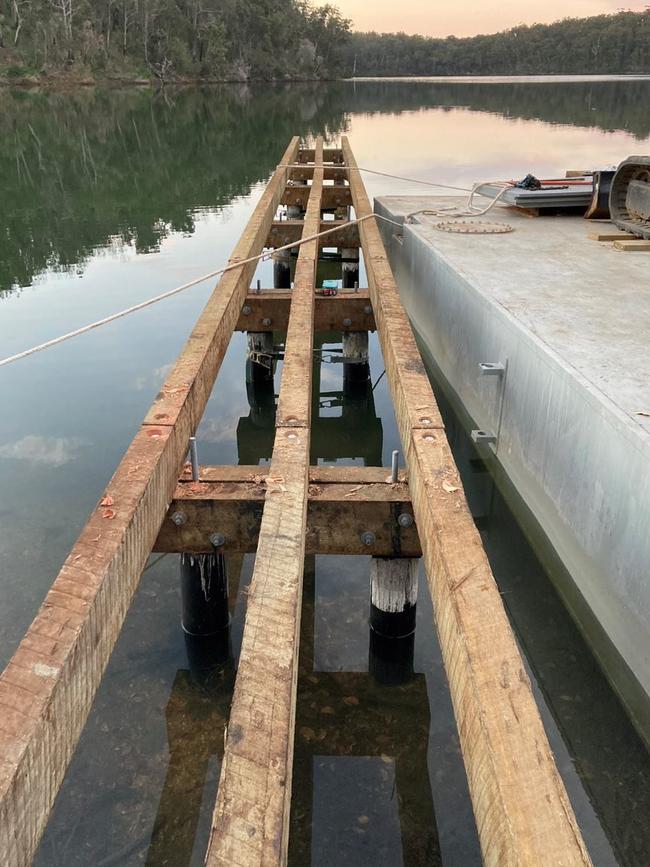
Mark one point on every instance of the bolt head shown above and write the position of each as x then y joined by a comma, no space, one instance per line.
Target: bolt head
367,309
217,540
368,538
179,518
405,520
347,323
267,321
246,310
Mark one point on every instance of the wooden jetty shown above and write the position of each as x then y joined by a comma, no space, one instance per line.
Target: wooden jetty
284,512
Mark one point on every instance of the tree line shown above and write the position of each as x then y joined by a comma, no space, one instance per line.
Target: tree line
246,40
237,40
618,43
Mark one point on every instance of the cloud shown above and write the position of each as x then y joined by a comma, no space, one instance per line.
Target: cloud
52,451
222,429
153,379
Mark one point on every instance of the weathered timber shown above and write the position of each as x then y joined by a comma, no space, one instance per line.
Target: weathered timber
344,503
283,232
610,236
632,245
48,686
334,196
251,819
522,811
393,595
330,155
298,172
347,311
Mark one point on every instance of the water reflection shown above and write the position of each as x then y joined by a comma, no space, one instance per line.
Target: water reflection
359,717
117,169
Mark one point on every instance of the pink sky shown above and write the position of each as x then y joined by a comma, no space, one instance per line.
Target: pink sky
467,17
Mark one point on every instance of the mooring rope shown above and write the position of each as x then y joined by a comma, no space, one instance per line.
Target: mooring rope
164,295
470,209
383,174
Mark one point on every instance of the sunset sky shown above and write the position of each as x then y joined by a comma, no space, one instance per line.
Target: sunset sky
467,17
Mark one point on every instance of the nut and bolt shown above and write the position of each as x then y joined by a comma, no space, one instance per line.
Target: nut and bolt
368,538
405,520
179,518
347,323
217,540
246,310
267,321
367,309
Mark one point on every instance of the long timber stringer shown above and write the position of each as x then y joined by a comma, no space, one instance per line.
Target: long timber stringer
522,811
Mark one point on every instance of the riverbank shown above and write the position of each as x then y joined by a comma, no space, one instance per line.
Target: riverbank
70,81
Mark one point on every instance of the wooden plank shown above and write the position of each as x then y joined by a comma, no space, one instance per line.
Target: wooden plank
631,246
283,232
250,826
334,196
347,311
47,689
522,811
609,236
343,504
306,172
330,155
341,475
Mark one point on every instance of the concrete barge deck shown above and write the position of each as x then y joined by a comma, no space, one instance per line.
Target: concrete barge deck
569,318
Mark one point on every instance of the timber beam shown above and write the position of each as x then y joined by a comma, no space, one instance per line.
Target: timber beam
330,155
47,689
523,814
351,510
290,231
250,824
298,172
269,311
334,196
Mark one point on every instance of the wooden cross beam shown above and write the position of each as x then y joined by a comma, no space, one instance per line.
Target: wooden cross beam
345,504
346,311
334,196
289,231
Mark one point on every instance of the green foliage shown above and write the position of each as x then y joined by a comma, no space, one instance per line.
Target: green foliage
225,39
617,43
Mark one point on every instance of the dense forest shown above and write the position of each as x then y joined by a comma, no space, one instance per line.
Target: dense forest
235,40
617,43
242,40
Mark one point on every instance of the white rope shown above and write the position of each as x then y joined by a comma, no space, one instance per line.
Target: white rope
470,209
220,271
383,174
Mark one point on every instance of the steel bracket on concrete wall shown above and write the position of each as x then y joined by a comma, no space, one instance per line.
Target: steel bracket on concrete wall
483,437
491,368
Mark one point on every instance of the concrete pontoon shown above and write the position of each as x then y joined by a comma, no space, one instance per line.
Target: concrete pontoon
569,318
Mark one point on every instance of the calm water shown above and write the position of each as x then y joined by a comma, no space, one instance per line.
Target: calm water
107,198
